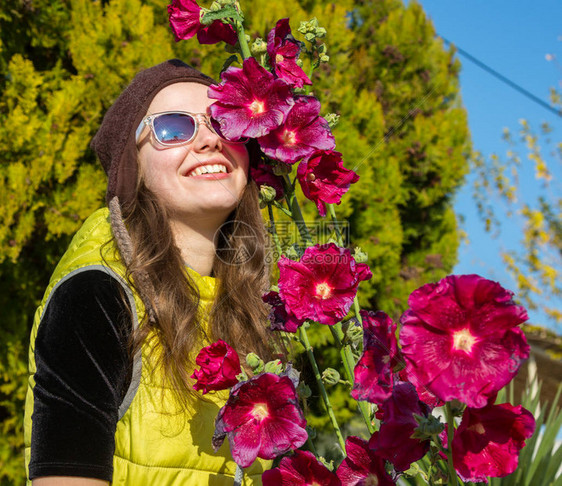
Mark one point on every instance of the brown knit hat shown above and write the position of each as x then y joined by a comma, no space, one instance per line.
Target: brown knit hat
115,143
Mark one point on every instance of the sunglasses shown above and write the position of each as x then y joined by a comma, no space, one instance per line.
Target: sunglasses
173,128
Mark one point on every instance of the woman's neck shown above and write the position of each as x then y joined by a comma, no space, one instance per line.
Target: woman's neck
197,247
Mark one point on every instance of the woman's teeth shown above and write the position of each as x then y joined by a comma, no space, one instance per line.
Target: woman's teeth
208,169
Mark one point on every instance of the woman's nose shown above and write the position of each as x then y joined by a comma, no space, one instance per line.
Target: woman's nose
206,137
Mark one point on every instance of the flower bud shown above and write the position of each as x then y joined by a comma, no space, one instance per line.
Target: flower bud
355,334
320,32
281,168
259,46
309,37
304,390
267,194
360,256
330,376
275,367
428,427
255,362
300,62
324,58
332,119
215,7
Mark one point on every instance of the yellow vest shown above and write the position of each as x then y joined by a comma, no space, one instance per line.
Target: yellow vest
153,445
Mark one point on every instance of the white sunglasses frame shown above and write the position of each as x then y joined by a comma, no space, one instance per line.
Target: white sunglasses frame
148,121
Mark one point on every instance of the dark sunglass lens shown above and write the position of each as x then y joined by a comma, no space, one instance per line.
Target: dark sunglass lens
174,128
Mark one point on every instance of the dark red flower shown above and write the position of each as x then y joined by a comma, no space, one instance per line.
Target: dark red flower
263,175
261,418
251,102
373,372
488,441
219,364
324,179
394,441
303,133
280,319
185,21
216,32
460,338
423,393
321,286
283,51
300,469
362,466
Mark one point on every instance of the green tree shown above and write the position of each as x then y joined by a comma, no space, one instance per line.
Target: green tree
63,62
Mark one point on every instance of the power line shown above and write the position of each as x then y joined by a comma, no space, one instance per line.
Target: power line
507,81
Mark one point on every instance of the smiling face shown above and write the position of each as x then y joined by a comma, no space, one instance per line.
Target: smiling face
167,170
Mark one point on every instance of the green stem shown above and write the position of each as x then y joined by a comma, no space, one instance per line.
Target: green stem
304,338
274,231
244,47
295,209
349,366
450,432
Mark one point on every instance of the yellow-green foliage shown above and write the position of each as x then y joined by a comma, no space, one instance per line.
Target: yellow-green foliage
64,62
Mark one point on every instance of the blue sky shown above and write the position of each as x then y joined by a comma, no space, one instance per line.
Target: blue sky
512,37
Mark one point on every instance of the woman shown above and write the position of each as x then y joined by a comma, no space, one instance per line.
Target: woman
176,261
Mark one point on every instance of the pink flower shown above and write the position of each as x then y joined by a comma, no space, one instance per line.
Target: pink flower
460,338
185,21
300,469
324,179
394,441
261,418
488,441
373,372
283,51
280,319
219,367
362,466
303,133
263,176
321,286
251,102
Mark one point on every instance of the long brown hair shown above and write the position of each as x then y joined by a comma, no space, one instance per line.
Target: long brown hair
238,315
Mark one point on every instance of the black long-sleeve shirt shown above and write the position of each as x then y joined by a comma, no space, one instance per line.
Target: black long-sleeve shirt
83,373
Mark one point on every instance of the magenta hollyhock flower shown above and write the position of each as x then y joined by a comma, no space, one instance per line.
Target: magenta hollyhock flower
251,102
280,318
263,176
394,441
300,469
324,179
373,372
219,364
321,286
185,21
283,51
362,466
488,441
261,418
460,339
303,133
